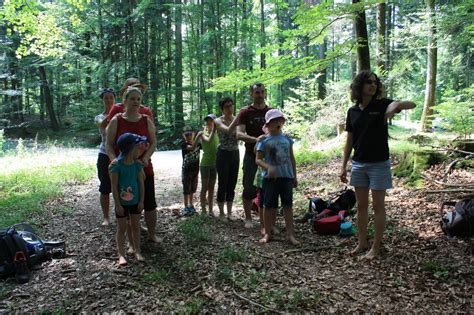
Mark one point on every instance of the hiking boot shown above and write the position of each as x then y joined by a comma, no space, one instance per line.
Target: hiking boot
22,274
192,209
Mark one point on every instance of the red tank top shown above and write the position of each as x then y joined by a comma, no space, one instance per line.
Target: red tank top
139,127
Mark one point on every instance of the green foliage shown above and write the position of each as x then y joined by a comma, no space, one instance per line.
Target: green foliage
196,229
307,156
291,299
189,265
24,189
159,276
231,254
192,306
457,111
437,269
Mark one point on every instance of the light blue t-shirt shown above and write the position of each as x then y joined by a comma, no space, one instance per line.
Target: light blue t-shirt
129,190
276,151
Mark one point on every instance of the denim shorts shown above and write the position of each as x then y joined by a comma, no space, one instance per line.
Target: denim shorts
376,176
277,187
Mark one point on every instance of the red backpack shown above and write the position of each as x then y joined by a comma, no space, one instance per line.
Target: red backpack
327,223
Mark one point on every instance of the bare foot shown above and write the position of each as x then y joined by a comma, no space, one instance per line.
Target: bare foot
122,261
371,255
106,222
229,217
359,249
222,217
155,239
139,257
248,224
293,241
130,251
265,239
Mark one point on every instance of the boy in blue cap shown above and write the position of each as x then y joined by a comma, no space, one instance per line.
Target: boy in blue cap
128,189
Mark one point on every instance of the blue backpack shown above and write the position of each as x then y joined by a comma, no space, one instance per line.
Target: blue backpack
20,238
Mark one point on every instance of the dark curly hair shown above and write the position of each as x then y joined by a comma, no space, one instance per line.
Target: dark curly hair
358,85
224,100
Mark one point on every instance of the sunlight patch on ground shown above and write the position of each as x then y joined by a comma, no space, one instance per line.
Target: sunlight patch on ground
45,159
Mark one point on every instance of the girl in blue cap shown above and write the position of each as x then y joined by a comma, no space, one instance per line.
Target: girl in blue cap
128,189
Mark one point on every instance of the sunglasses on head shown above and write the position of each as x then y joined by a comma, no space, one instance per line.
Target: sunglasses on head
371,81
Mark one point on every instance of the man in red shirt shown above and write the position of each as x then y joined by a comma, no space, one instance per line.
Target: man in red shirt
249,127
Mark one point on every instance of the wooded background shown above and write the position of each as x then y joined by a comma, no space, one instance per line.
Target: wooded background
55,56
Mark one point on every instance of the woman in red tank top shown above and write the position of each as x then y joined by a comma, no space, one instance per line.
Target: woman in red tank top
132,121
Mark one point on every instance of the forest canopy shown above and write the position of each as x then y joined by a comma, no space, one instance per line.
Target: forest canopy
57,55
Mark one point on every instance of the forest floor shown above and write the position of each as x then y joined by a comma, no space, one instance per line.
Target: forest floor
205,265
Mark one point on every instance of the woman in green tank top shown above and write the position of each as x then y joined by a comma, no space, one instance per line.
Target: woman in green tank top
209,142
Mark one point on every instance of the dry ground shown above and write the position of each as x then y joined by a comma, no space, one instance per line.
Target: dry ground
225,269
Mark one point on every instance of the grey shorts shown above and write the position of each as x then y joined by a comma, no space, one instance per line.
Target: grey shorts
376,176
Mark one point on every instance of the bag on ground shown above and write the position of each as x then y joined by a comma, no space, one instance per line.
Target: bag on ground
330,224
460,221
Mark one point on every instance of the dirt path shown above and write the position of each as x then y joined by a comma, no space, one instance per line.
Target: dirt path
205,265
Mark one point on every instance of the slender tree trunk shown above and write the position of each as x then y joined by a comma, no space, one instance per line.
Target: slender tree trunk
381,55
363,55
179,119
388,35
48,98
154,80
262,33
430,91
323,77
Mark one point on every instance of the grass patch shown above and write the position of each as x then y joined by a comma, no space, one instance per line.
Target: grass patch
24,185
291,300
196,229
189,265
192,306
305,156
437,269
232,254
159,276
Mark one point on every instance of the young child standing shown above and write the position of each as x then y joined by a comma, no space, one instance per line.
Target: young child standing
190,170
128,189
275,157
209,142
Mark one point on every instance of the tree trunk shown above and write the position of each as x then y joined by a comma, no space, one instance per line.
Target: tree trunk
363,54
179,119
262,33
430,91
48,99
323,77
380,54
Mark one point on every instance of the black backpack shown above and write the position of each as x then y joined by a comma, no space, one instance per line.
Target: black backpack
459,222
343,200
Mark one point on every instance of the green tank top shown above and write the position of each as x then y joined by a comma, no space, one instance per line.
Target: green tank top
209,150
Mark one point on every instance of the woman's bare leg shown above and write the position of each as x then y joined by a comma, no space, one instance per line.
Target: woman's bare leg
105,206
378,201
362,196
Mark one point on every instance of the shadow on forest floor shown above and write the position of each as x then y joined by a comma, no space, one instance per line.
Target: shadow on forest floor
205,265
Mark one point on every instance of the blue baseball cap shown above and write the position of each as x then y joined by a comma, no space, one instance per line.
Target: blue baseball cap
127,141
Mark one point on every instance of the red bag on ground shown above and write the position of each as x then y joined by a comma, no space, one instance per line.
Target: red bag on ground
328,225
